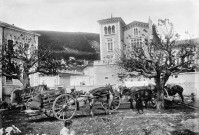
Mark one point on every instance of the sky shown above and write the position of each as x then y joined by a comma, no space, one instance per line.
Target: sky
82,15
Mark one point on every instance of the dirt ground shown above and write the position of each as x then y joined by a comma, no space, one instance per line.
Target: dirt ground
176,121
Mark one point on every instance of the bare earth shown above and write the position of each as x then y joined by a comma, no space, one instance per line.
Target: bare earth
121,122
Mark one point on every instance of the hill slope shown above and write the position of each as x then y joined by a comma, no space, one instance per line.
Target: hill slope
76,44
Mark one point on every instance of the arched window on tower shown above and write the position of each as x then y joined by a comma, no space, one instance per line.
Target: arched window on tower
105,30
136,31
113,29
109,29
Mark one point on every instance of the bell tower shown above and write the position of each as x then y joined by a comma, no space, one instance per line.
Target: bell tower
111,36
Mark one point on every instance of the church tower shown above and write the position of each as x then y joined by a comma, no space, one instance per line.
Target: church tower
111,37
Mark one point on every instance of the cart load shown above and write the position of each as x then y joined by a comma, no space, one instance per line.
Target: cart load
101,91
64,105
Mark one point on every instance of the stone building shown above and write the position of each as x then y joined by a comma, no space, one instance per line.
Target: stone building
115,37
9,35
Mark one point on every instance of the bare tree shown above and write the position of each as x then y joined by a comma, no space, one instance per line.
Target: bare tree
159,57
20,60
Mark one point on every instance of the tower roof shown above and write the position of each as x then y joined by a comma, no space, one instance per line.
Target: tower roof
112,19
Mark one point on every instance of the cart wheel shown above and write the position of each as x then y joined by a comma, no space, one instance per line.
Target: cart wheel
27,104
64,107
114,105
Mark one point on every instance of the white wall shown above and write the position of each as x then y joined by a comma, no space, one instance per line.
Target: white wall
50,81
79,80
189,81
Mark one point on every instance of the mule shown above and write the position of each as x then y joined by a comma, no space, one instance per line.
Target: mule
174,89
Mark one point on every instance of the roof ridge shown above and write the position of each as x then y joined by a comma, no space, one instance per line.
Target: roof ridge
4,24
136,22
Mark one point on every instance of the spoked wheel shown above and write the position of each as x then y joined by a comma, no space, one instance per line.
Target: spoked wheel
28,103
114,105
64,107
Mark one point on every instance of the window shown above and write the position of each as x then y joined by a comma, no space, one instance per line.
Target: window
26,46
110,44
105,30
9,80
113,29
109,29
136,43
10,46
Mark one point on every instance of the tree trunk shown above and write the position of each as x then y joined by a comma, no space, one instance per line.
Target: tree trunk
160,94
25,80
160,102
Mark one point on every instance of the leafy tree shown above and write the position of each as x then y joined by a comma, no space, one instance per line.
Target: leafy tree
159,57
20,60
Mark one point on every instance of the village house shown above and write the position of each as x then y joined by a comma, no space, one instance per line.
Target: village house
9,35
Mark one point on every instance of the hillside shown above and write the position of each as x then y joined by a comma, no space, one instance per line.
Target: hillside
77,44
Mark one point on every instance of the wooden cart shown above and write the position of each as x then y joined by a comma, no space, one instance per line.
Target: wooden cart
63,106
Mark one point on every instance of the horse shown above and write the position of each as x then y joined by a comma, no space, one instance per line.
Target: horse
174,89
143,92
101,94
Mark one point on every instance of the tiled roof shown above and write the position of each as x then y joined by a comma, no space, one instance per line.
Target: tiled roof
6,25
